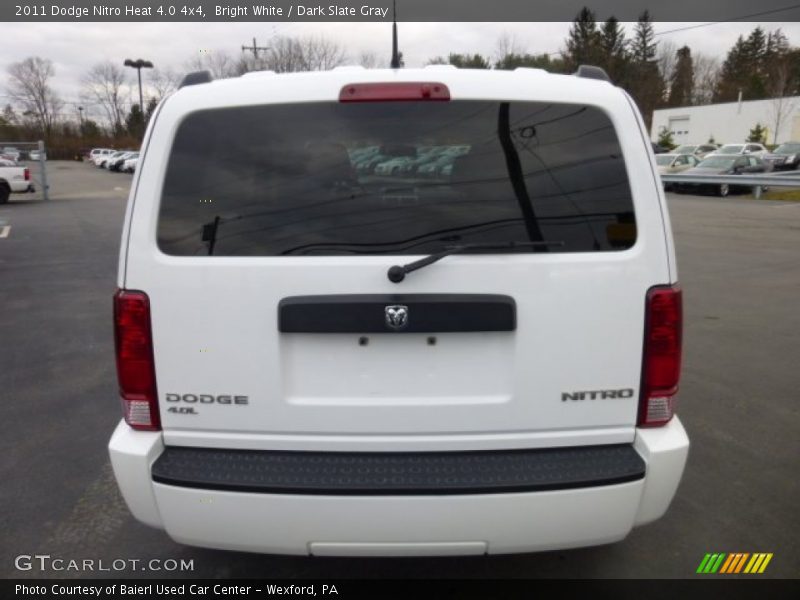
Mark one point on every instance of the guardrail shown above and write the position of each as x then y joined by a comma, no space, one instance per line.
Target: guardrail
757,182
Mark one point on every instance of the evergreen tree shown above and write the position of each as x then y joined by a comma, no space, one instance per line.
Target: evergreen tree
90,129
681,85
730,80
535,61
643,45
134,122
646,84
466,61
583,41
758,134
150,109
755,65
751,64
665,138
777,45
614,54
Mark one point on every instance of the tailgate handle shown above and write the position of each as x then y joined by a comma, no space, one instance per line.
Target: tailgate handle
397,313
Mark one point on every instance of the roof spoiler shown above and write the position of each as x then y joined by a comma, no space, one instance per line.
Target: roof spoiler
195,78
592,72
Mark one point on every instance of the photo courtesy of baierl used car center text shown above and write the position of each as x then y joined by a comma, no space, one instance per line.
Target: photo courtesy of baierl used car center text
393,298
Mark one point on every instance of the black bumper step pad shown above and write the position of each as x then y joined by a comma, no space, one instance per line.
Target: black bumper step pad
398,473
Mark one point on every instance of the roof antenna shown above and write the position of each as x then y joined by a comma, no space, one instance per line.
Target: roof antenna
395,64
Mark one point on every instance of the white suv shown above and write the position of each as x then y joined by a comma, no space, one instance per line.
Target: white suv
317,360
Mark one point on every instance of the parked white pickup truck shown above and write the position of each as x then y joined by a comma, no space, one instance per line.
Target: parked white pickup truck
14,179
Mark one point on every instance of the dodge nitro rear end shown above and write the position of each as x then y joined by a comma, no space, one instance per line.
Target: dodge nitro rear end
398,312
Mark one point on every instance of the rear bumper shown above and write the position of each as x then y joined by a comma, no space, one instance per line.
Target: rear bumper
421,523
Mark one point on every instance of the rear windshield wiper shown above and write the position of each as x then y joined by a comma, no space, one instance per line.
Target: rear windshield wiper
397,273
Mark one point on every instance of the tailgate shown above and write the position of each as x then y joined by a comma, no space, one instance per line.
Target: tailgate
265,243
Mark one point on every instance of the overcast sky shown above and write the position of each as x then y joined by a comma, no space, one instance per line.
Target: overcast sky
75,47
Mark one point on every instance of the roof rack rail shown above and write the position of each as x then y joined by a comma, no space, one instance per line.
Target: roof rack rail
196,77
592,72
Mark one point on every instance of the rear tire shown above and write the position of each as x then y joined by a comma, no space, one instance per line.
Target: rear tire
724,190
5,192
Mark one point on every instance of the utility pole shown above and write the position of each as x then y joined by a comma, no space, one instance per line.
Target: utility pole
254,49
139,65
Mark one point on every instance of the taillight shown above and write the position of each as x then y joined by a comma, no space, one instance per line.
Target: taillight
403,91
27,174
135,365
661,366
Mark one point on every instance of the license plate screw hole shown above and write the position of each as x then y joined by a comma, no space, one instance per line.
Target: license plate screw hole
432,340
363,340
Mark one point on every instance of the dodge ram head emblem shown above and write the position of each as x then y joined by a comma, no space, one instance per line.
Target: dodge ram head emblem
396,316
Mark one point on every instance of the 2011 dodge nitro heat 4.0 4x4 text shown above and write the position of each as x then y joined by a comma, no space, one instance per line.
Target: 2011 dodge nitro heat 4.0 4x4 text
398,312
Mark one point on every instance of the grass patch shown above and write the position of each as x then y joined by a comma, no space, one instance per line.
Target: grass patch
792,194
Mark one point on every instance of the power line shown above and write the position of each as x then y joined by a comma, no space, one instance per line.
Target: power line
742,18
701,25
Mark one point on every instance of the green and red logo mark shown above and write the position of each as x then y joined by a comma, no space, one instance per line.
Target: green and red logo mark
735,562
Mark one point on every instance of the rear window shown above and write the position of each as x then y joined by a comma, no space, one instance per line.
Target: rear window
394,178
788,149
730,149
717,161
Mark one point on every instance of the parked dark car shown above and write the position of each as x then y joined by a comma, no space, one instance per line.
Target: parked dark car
723,165
659,149
785,157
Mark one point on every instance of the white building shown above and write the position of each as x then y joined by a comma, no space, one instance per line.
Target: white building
730,122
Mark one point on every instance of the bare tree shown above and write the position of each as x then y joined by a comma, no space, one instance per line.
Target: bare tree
285,55
666,58
163,81
321,53
220,64
370,60
706,76
29,86
781,104
506,45
247,63
106,84
288,54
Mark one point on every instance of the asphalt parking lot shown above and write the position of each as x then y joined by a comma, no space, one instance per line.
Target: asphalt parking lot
739,264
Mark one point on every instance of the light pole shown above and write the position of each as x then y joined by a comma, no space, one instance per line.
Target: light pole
139,64
80,116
